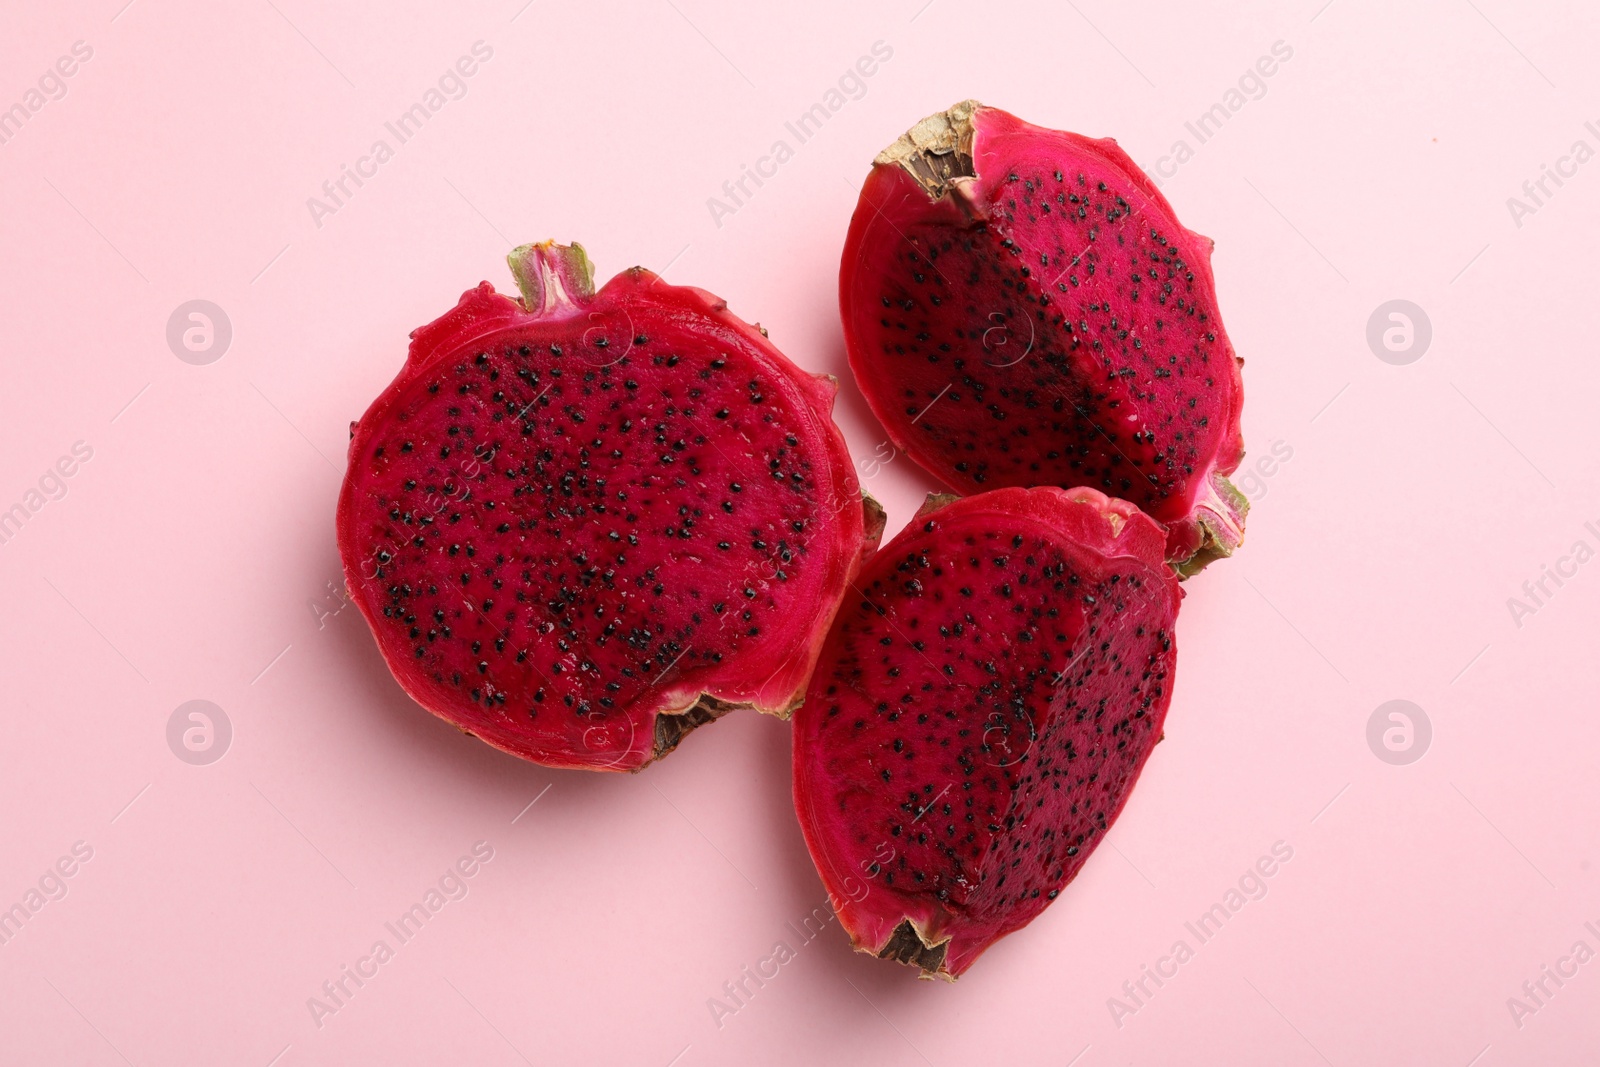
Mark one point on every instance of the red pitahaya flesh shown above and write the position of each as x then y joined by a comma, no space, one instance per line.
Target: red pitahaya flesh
583,524
981,710
1022,307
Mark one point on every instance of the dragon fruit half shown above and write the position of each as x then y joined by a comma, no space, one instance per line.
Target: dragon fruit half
583,524
1022,307
980,712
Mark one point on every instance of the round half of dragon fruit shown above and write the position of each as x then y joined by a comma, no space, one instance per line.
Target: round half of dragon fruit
1022,307
980,712
584,523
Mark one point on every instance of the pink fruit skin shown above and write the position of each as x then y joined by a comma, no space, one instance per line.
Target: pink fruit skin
865,741
672,662
1157,424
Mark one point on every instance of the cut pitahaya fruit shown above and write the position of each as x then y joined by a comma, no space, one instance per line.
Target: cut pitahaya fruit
583,524
980,713
1022,307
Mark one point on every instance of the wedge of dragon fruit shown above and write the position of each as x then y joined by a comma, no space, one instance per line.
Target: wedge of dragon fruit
584,523
1022,307
980,712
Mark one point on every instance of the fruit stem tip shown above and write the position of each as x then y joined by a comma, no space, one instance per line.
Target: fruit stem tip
551,275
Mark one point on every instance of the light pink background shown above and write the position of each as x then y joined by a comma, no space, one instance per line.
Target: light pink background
191,556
